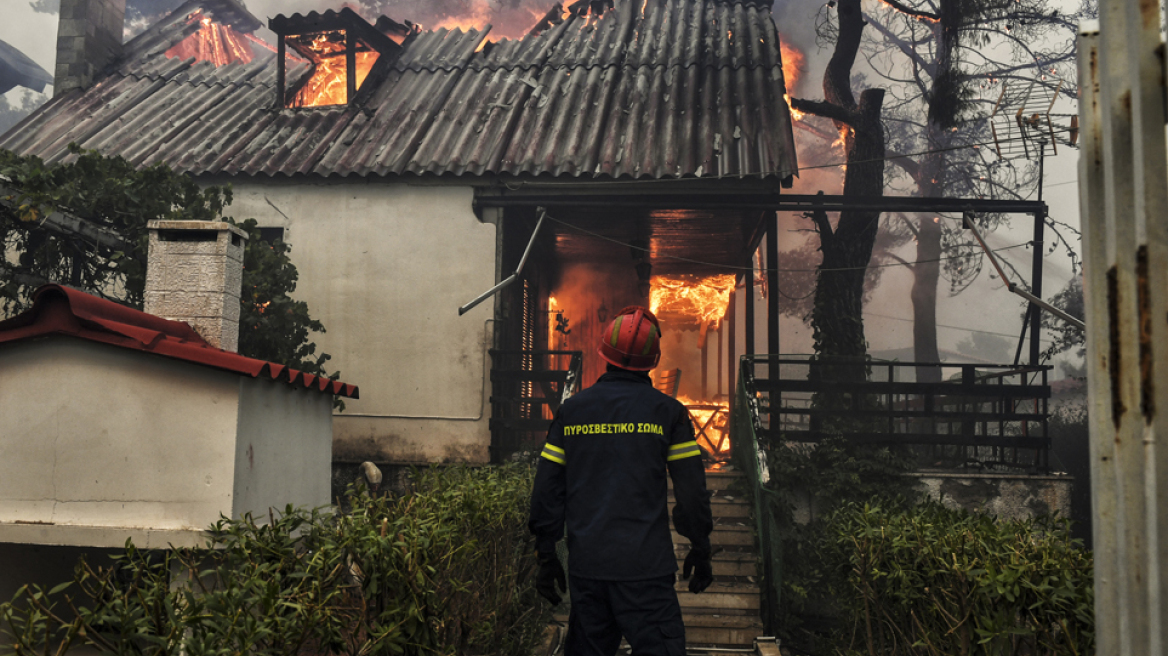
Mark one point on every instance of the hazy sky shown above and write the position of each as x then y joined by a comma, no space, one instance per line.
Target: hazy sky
985,306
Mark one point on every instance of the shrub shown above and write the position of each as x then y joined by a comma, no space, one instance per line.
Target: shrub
934,581
446,569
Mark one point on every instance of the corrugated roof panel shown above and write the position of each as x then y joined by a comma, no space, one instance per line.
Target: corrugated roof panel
652,88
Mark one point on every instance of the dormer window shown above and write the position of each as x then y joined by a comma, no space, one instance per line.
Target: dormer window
333,55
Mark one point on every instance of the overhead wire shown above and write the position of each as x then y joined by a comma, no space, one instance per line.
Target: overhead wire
759,174
732,267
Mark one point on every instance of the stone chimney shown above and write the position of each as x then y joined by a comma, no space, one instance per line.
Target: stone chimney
89,38
194,273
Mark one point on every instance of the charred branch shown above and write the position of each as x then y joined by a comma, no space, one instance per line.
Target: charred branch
826,110
915,13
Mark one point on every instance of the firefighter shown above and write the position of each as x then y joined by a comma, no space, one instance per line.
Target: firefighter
602,472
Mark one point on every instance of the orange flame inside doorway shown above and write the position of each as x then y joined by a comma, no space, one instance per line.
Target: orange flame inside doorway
702,301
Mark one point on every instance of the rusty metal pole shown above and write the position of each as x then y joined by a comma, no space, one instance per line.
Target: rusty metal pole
1125,241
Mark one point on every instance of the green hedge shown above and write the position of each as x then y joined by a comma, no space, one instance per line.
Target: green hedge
447,569
929,580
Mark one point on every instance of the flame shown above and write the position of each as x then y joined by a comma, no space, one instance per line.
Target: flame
328,84
702,300
795,114
792,64
715,438
213,42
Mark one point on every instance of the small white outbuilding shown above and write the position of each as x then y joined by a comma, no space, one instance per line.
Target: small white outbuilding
117,424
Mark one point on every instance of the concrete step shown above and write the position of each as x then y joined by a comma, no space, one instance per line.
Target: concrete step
721,480
726,563
737,535
719,596
721,629
729,508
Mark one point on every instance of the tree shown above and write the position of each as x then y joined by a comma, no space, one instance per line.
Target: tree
1066,336
117,199
837,314
934,57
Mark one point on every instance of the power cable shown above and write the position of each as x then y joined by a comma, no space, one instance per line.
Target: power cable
751,268
535,183
943,325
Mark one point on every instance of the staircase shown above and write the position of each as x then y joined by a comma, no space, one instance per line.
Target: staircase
727,614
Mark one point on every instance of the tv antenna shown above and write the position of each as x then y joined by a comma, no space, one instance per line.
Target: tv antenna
1025,132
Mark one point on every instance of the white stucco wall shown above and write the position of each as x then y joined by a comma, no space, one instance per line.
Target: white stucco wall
385,266
284,452
96,436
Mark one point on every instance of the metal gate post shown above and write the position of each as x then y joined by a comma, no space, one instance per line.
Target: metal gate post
1123,173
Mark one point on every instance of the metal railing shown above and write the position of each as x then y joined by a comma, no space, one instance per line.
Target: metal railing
527,387
980,415
991,414
749,456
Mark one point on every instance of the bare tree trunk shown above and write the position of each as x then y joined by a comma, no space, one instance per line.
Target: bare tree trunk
837,316
944,103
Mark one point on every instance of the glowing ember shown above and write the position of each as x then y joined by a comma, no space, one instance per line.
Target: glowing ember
792,64
214,43
328,84
711,421
702,300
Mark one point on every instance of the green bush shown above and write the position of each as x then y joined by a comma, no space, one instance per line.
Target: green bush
929,580
446,569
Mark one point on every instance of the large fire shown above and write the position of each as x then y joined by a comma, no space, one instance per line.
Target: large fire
792,64
703,300
711,420
329,82
215,43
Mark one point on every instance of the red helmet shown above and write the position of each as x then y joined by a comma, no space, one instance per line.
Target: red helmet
632,340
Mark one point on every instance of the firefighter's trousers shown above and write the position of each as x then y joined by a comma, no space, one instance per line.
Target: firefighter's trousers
645,612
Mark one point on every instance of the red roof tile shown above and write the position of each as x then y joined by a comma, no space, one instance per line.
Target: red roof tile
59,310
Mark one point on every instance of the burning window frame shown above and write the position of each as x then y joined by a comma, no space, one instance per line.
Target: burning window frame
297,31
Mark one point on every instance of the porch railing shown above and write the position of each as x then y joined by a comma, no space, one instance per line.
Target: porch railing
985,414
977,414
749,456
527,387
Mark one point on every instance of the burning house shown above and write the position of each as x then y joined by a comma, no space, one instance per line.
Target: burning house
614,155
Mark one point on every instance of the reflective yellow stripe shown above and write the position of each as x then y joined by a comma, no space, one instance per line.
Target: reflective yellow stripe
649,341
553,453
683,450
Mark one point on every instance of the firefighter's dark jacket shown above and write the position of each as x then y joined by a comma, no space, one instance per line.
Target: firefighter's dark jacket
602,471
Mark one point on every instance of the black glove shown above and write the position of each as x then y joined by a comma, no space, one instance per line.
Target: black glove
697,563
551,572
